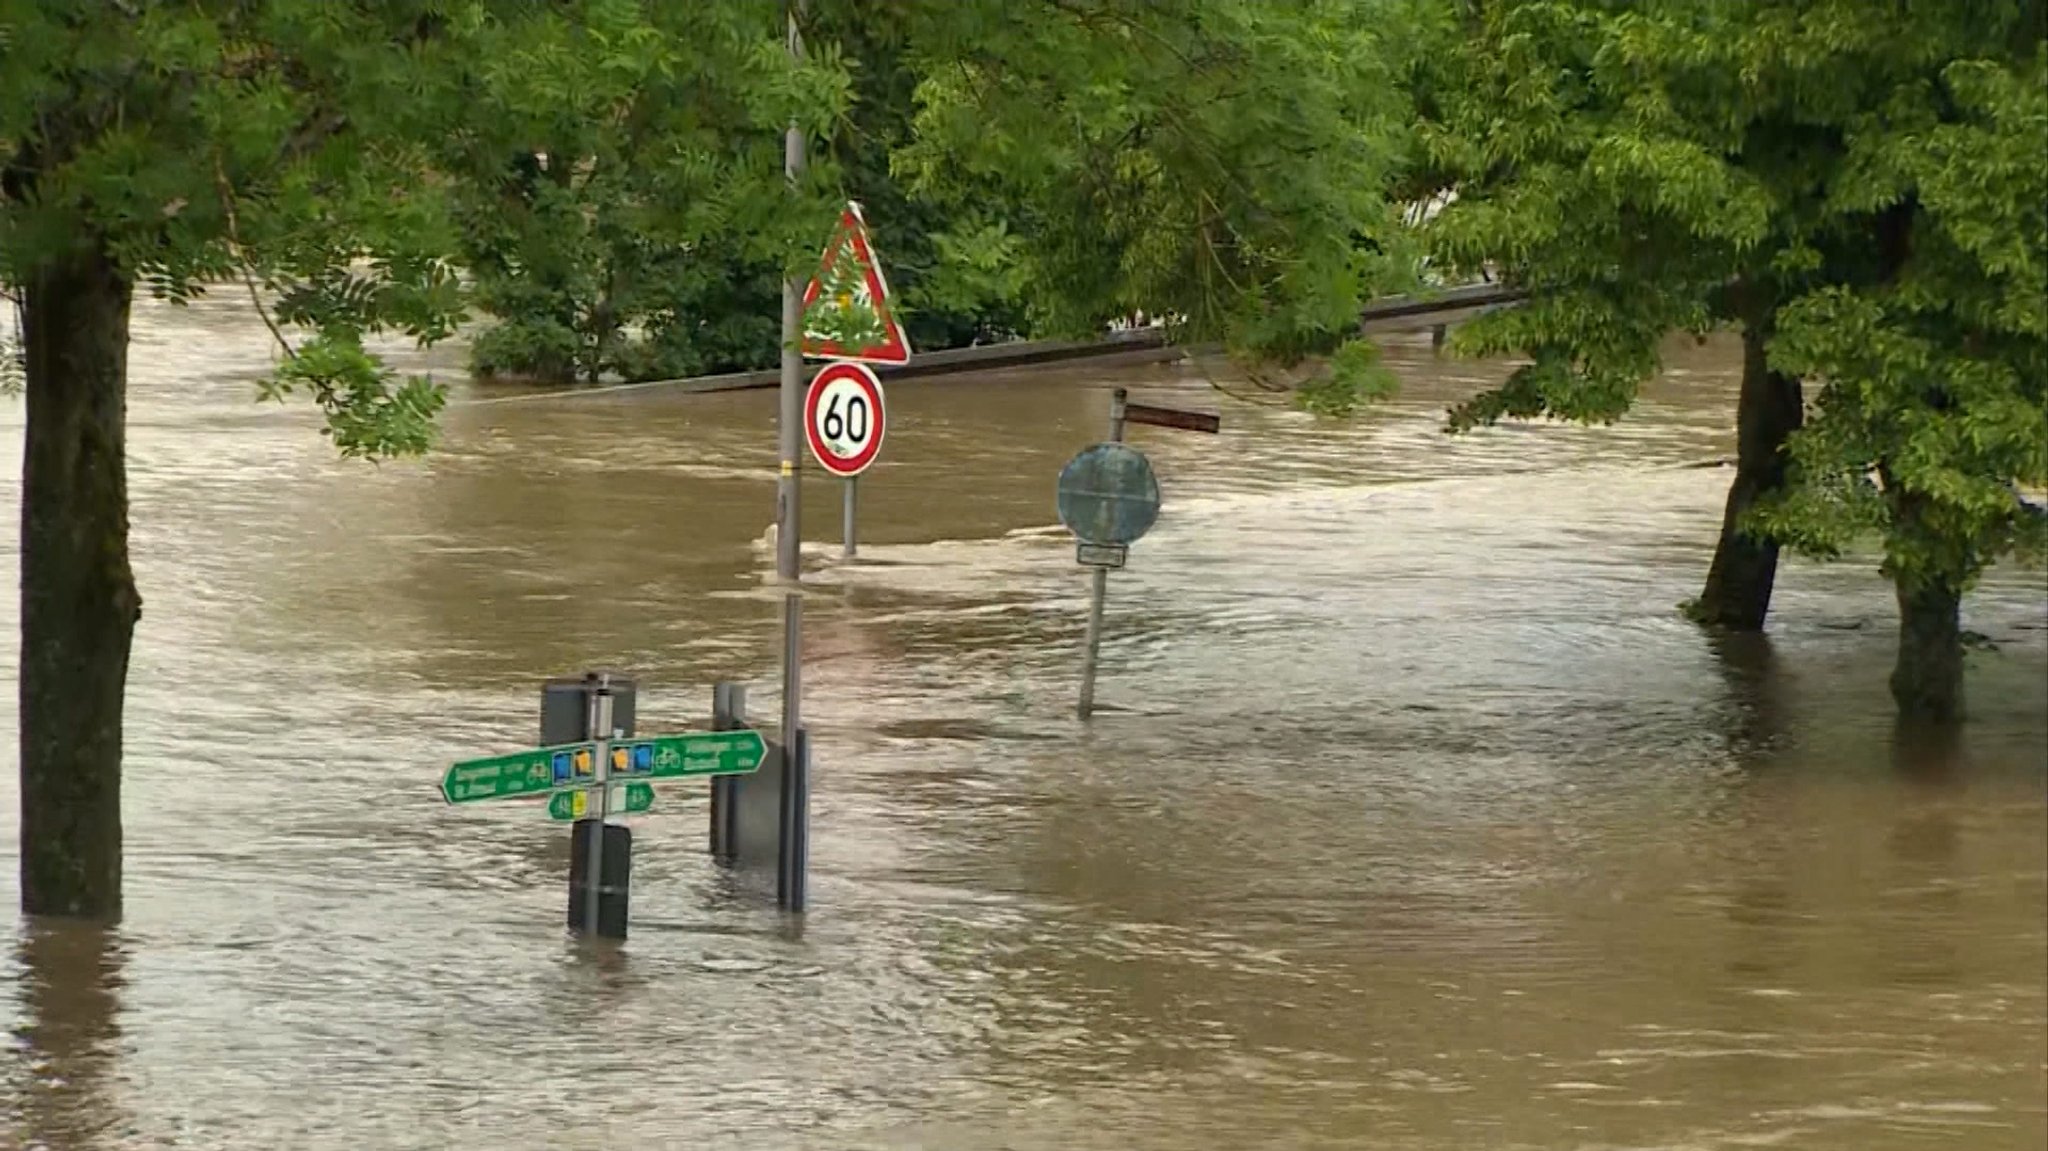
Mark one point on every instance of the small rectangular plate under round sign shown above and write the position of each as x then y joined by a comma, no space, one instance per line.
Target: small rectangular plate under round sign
1101,555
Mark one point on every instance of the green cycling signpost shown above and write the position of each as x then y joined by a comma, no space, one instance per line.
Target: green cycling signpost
576,765
588,768
591,780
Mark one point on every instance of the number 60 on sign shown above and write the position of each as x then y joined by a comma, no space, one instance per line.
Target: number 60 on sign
843,417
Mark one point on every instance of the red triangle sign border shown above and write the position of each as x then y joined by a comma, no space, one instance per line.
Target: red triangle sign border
894,347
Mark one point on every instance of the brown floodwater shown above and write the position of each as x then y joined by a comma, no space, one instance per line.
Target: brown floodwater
1424,821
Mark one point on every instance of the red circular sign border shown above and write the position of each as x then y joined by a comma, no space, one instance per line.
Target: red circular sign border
869,383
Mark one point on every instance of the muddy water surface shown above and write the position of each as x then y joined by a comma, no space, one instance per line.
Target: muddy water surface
1425,821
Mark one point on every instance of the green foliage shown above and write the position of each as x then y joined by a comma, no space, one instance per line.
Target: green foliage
1354,377
528,341
949,287
1935,381
1221,164
368,415
1869,193
978,276
1040,168
637,222
276,142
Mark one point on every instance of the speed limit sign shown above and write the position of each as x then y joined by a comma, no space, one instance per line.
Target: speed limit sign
843,417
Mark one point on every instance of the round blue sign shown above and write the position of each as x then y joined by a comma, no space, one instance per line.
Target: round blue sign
1108,494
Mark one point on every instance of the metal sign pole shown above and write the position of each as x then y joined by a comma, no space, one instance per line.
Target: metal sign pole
852,545
601,730
1099,589
789,538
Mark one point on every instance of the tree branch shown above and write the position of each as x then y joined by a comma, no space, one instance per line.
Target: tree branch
241,257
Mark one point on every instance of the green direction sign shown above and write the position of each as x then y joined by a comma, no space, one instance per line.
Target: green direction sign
572,765
521,773
634,797
693,753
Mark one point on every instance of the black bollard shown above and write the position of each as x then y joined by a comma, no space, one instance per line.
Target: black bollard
613,892
565,707
793,859
728,713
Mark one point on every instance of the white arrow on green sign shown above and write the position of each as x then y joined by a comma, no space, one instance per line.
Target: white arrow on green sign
628,800
693,753
521,773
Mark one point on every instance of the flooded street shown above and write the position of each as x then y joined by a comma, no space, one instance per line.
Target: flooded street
1425,821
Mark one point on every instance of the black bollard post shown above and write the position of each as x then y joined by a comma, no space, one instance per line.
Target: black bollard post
614,886
565,707
760,821
728,713
792,864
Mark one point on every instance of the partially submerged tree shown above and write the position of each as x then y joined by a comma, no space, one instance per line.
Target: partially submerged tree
274,145
1859,193
1932,414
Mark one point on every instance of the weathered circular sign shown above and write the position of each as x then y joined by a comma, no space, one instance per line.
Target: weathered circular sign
1108,494
843,418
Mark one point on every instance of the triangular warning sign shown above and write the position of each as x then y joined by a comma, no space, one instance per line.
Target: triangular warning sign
846,307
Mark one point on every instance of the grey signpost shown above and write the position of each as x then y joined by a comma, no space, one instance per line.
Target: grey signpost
1109,498
593,867
789,530
794,760
850,545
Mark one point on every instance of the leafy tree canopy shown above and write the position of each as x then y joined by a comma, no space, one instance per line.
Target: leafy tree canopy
276,144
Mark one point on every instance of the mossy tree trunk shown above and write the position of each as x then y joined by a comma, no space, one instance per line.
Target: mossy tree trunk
1927,677
1745,567
79,605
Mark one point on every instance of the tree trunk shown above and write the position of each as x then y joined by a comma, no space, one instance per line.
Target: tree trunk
1927,679
1745,568
78,598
